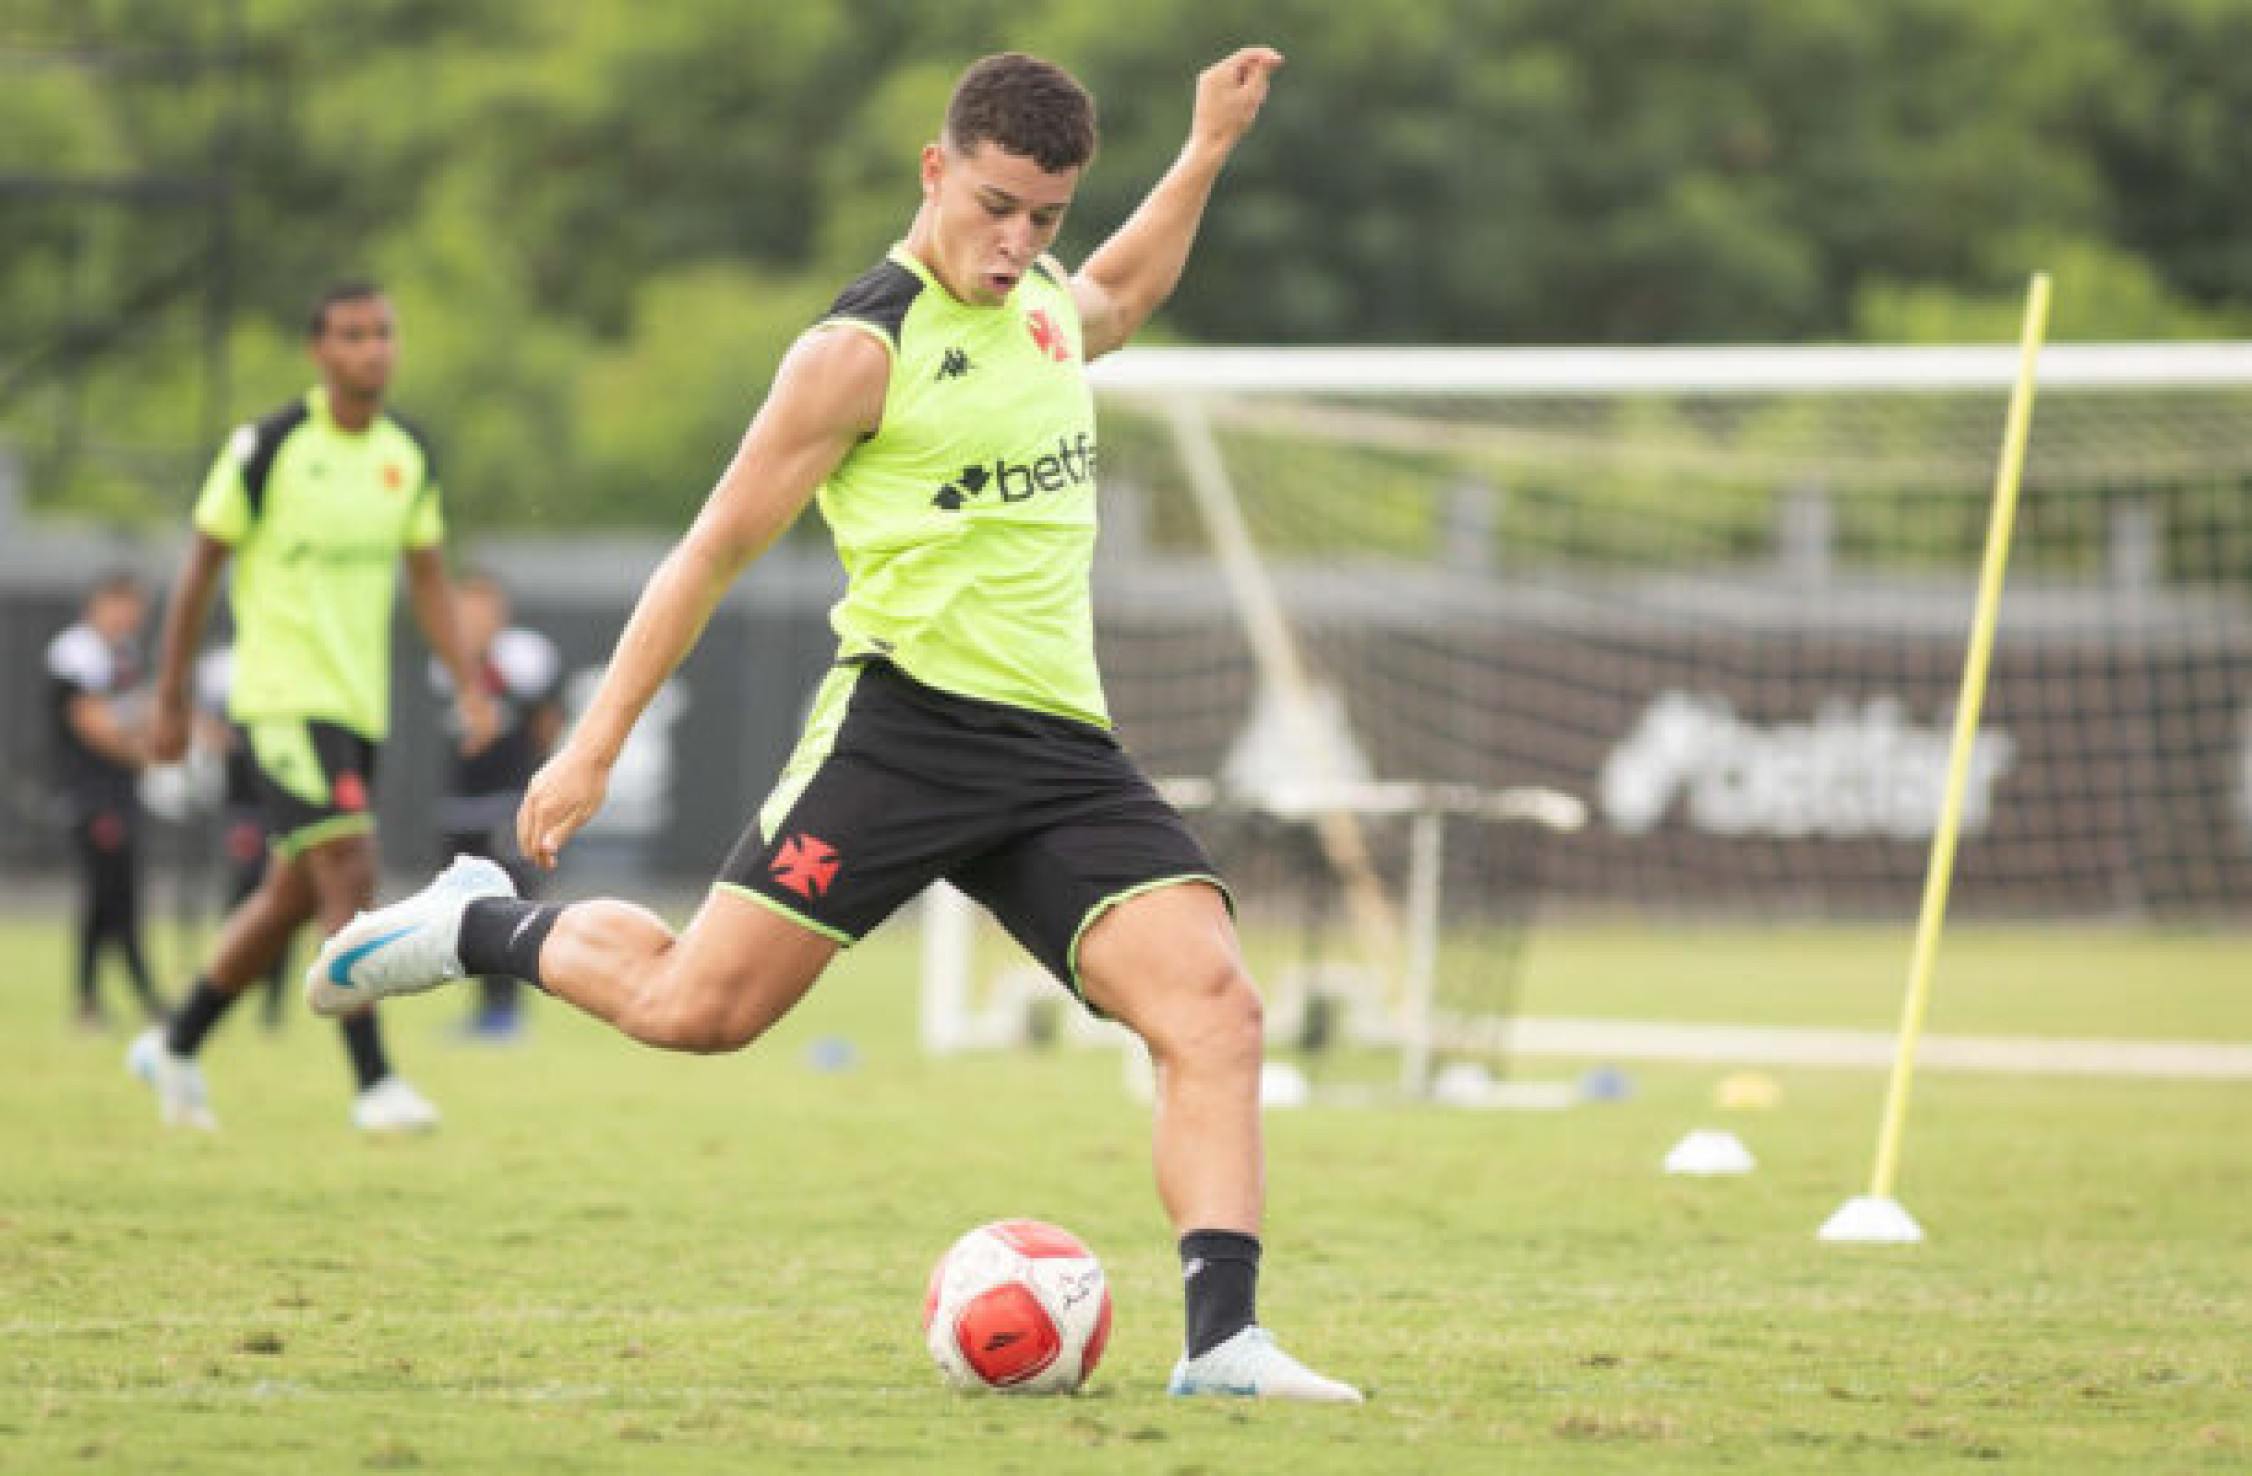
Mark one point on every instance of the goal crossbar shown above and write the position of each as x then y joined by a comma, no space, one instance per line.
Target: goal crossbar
1735,369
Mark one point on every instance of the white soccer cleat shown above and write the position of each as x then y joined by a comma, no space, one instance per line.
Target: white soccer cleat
181,1099
392,1106
1251,1366
405,948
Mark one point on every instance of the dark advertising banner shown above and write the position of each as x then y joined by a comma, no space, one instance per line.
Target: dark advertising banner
1775,773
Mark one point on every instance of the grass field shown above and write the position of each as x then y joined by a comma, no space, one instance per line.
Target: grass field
615,1260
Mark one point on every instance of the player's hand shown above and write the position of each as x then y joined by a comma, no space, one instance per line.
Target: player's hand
562,796
480,721
168,732
1228,95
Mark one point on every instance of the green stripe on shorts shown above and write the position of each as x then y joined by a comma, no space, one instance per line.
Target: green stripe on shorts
814,746
1094,913
320,832
834,935
284,749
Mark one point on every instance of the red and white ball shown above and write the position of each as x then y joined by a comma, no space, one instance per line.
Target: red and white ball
1017,1306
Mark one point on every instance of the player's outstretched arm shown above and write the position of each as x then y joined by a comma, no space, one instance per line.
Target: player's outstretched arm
431,594
1137,268
828,394
184,616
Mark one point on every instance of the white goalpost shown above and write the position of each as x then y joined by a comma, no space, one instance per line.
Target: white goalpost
1433,643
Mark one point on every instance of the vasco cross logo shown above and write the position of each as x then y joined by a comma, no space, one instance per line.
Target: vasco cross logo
1047,336
1070,464
806,865
954,365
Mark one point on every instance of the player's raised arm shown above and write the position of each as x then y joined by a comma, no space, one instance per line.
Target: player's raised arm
1138,267
827,395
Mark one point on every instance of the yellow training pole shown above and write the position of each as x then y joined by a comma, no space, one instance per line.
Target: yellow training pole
1942,865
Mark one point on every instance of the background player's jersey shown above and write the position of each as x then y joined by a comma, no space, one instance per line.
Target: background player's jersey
317,516
966,523
522,674
81,664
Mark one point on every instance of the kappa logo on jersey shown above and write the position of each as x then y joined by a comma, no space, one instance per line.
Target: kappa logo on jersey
1071,464
953,364
806,865
1047,335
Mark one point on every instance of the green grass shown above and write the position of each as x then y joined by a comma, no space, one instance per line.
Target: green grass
615,1260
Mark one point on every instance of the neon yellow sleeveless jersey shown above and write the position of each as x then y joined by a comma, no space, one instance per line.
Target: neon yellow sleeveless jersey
966,523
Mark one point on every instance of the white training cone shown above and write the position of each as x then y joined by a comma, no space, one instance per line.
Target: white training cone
1710,1151
1867,1219
1282,1084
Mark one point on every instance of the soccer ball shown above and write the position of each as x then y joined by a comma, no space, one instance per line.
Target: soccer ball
1017,1306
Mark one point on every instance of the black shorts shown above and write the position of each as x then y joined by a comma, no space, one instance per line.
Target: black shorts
315,781
1042,819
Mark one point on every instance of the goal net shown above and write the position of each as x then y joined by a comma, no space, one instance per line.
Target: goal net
1720,596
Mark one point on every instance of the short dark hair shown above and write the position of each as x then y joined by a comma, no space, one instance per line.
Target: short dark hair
1025,105
348,289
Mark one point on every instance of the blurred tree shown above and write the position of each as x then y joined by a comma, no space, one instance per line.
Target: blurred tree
603,220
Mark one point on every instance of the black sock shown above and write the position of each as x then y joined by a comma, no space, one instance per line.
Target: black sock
500,935
137,969
364,1043
202,1009
1220,1272
276,988
89,958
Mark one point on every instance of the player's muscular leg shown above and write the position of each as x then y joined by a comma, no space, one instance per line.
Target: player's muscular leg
257,930
1166,965
735,970
342,874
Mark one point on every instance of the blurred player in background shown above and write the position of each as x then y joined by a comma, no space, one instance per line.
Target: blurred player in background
244,853
95,673
942,414
316,504
522,675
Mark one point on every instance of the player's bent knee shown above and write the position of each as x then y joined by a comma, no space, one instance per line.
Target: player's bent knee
704,1034
707,1026
1240,1015
701,1015
1214,1017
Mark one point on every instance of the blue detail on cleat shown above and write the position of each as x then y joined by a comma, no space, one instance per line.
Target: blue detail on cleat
1183,1385
1250,1366
340,967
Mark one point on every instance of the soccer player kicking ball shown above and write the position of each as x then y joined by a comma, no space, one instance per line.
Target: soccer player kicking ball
316,504
942,415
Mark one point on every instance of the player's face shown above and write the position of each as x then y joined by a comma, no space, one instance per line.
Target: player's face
992,214
116,614
358,346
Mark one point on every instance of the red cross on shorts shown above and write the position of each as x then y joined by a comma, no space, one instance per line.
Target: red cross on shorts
806,865
1047,335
